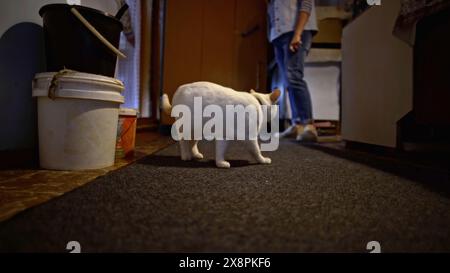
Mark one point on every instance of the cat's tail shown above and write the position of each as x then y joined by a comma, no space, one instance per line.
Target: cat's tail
165,104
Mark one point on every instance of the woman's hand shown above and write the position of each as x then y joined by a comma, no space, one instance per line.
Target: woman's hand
296,42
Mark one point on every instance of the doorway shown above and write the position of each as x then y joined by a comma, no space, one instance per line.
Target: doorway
222,41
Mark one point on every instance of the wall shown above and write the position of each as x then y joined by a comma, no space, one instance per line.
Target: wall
21,57
377,77
330,31
16,11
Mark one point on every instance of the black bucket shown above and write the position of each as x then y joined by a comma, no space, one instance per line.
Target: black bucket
70,44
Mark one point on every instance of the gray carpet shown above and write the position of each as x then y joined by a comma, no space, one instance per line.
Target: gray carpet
306,201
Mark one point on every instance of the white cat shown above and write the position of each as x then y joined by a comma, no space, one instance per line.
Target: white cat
214,94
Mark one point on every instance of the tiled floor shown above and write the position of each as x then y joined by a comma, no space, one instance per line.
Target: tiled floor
22,189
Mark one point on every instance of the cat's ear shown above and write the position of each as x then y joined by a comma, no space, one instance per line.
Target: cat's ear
275,95
252,91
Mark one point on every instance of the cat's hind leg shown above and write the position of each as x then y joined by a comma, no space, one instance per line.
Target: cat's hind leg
194,150
221,148
253,147
185,150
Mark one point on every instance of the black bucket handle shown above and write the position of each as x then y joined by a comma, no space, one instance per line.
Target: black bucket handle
97,34
121,11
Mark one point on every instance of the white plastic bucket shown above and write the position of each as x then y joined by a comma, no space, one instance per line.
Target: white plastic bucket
77,119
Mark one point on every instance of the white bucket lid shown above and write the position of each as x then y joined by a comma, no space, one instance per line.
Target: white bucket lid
78,85
128,112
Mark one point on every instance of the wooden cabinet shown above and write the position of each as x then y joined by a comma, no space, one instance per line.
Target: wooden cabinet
222,41
377,77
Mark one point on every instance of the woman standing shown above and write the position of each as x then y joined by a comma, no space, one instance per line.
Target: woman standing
292,25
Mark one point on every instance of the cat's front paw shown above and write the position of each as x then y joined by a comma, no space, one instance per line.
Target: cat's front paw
197,156
223,164
265,160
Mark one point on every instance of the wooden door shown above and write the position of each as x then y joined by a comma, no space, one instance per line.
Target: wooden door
251,45
222,41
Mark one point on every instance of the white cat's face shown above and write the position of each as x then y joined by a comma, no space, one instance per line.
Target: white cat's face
268,99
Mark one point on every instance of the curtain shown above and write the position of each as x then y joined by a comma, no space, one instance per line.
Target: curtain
130,44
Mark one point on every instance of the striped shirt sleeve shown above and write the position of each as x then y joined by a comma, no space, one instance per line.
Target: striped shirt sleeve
306,5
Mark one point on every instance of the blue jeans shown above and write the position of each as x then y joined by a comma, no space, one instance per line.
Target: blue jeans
291,66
